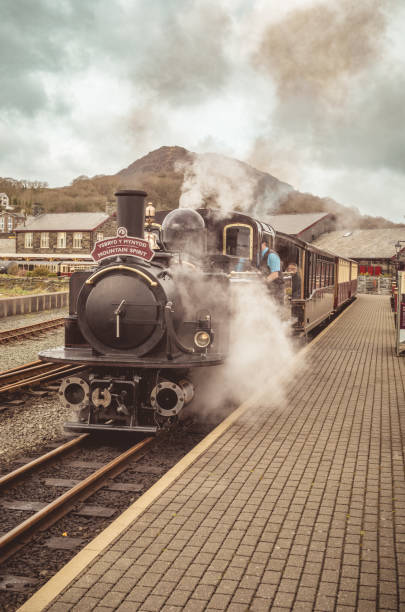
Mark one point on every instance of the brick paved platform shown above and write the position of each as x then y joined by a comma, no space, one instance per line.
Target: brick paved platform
300,508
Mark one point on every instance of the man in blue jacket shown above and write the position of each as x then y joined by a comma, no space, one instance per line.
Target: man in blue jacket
270,266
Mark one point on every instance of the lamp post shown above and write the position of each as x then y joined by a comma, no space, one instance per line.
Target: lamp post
399,305
398,249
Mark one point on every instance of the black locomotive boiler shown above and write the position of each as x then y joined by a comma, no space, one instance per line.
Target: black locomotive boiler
139,327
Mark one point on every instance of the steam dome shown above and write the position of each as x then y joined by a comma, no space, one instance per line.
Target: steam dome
183,230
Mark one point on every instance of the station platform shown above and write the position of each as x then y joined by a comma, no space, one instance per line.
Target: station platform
293,508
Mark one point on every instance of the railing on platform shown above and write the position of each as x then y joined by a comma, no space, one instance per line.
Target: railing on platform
380,285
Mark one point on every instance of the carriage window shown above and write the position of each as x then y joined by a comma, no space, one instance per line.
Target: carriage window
313,283
238,241
318,273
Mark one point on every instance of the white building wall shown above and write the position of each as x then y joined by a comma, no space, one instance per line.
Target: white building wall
7,245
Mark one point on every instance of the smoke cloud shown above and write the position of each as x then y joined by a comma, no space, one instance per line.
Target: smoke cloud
314,52
251,330
213,179
226,184
261,355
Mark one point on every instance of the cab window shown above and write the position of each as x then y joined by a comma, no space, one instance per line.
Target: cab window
238,241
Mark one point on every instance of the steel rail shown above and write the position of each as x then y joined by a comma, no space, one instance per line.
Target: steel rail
47,516
26,469
10,376
54,371
18,368
27,330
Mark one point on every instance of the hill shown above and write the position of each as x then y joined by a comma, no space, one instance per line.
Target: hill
173,174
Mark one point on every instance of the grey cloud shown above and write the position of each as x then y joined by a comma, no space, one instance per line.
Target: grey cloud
174,50
370,134
22,153
36,39
185,57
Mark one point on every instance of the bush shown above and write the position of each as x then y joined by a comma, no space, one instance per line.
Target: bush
39,271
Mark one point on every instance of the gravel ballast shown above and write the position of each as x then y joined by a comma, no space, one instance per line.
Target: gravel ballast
38,419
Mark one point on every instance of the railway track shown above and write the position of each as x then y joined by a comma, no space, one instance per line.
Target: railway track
11,335
32,374
49,513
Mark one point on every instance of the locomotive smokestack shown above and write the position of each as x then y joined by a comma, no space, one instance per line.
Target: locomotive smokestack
131,211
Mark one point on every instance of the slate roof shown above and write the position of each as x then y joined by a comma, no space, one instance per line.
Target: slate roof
362,244
64,222
295,224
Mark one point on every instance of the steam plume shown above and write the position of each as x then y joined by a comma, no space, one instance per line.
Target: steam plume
261,354
220,182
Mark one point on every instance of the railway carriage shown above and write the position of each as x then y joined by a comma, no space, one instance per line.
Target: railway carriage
327,282
53,266
316,303
343,284
354,272
30,265
67,268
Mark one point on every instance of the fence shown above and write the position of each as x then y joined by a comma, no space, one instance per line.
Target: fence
10,306
374,284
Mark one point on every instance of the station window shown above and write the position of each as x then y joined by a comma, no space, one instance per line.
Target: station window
28,240
99,236
61,240
10,224
1,224
44,240
77,240
238,240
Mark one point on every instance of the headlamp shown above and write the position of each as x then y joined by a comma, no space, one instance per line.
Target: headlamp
202,339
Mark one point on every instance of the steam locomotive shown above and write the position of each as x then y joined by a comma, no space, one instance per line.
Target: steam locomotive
140,322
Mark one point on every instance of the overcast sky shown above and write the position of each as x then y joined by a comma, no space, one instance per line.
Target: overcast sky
312,92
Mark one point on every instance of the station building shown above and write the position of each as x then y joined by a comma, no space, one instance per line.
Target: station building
373,249
9,221
306,226
8,218
377,251
64,233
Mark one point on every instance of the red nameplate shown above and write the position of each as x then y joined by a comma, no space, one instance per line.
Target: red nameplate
122,244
